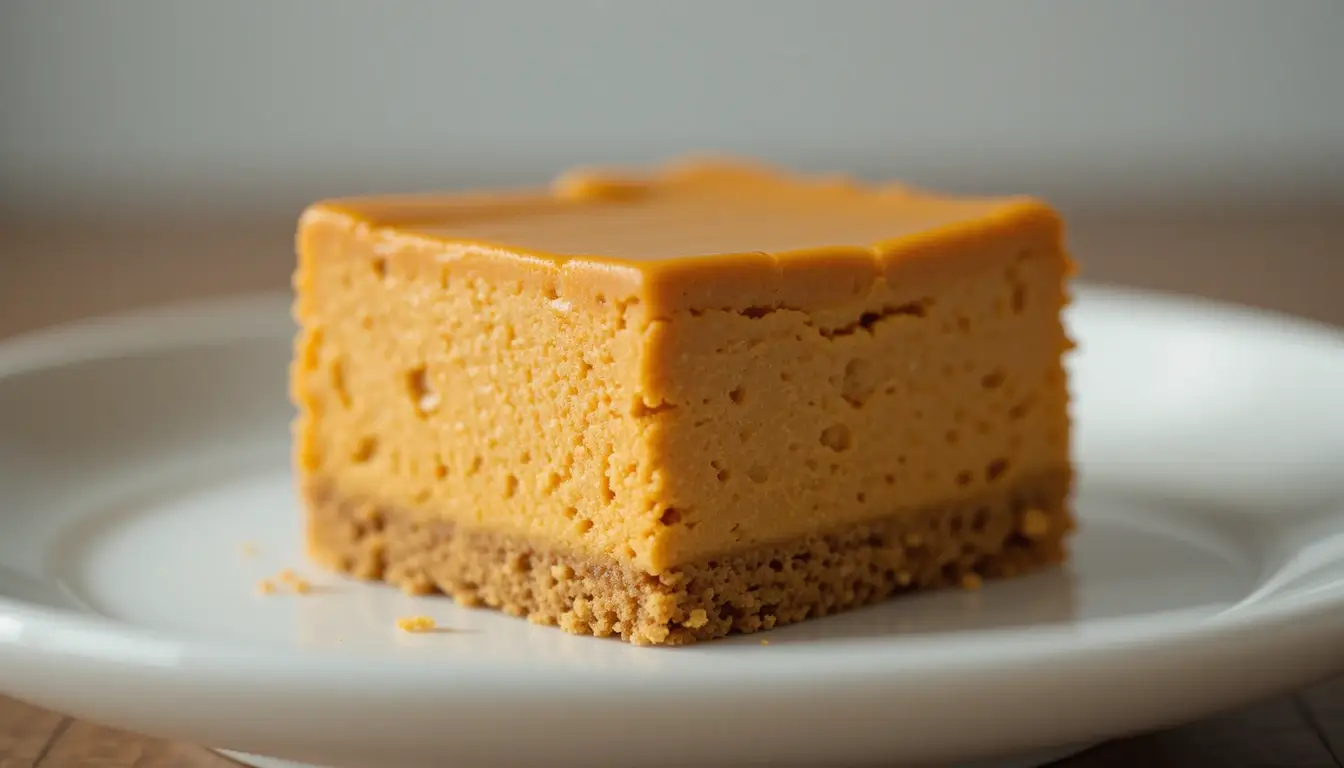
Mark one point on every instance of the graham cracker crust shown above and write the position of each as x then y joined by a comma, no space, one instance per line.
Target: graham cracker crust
1022,528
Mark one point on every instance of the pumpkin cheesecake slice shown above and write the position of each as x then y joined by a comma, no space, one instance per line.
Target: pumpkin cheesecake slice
711,398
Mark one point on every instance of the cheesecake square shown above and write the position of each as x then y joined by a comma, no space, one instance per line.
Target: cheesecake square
668,406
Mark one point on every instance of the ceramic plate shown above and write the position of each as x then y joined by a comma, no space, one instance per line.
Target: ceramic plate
145,489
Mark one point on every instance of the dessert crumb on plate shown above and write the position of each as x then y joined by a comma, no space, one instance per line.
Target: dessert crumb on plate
415,624
286,578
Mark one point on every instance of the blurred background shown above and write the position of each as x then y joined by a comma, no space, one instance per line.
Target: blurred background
153,150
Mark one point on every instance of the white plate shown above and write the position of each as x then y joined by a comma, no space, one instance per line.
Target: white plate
138,458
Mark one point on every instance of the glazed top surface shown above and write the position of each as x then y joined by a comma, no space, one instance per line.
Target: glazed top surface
687,211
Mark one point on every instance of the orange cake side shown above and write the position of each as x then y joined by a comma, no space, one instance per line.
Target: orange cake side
667,448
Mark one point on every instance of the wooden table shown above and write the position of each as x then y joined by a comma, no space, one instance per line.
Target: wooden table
1289,260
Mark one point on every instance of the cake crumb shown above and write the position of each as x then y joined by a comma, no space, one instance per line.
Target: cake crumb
765,642
904,578
971,581
1035,524
415,624
288,578
698,618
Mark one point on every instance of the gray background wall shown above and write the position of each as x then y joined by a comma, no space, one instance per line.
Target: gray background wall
260,103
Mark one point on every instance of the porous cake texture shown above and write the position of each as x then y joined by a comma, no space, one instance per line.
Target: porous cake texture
672,406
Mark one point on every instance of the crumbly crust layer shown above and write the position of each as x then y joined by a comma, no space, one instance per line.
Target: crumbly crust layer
1021,528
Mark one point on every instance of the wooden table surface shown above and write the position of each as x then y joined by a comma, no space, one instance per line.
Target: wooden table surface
1288,260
